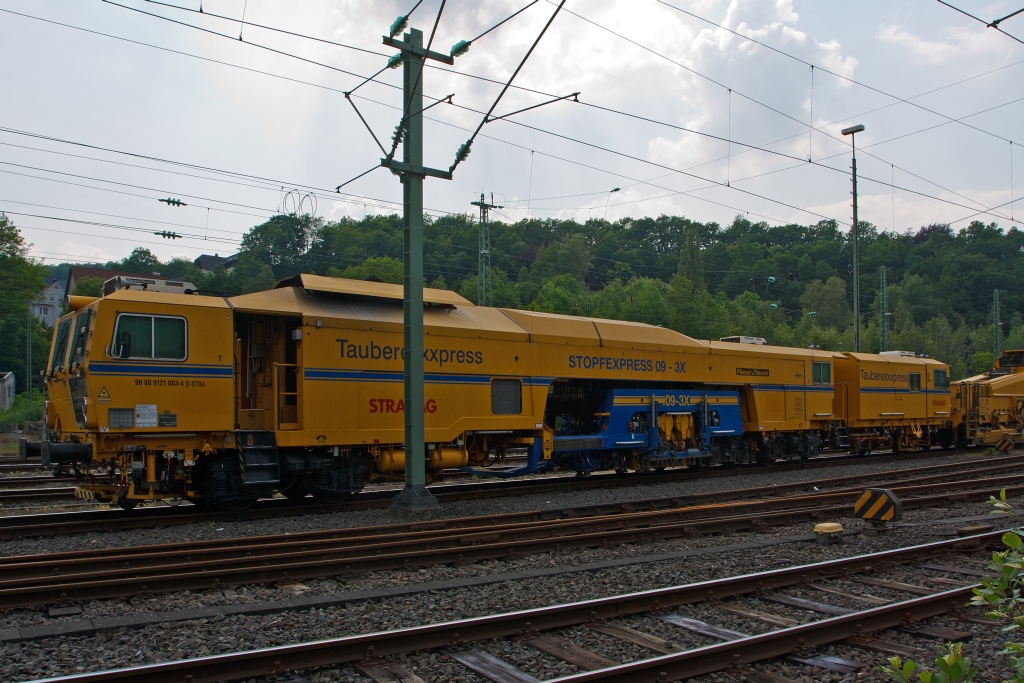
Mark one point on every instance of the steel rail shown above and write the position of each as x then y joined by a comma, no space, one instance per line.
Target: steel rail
694,505
10,483
51,493
518,524
331,652
34,587
712,658
91,521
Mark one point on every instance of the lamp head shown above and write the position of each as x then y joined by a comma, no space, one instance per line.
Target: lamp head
853,129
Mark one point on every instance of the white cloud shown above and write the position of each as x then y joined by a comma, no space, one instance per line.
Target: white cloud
959,42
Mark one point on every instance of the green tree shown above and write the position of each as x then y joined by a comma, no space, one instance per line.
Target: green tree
828,300
88,286
384,267
561,294
141,262
283,242
983,361
21,281
691,264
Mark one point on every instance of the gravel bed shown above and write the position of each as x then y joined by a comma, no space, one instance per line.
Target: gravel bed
611,581
173,640
508,504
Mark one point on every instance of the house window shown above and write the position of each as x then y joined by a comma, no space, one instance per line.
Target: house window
915,381
150,337
821,373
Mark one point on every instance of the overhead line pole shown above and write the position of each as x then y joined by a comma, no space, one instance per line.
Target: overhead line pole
483,292
414,499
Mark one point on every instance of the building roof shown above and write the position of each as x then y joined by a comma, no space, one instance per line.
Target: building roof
208,262
76,273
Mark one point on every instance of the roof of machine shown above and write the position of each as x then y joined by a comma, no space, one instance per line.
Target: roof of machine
378,290
553,328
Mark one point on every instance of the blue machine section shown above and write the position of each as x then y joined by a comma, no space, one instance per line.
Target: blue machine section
641,429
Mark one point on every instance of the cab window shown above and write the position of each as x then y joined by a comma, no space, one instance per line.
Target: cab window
150,337
60,344
940,380
821,373
915,381
81,335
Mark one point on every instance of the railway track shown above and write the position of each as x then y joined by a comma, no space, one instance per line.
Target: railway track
854,600
118,572
91,521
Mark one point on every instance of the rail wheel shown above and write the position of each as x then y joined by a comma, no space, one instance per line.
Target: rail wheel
126,503
339,483
294,488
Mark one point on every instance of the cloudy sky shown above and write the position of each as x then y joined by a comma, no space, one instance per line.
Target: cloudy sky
663,89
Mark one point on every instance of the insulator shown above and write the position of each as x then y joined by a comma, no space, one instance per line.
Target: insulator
460,48
399,24
463,152
394,61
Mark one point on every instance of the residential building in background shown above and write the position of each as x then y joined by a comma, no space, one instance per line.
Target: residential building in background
47,307
6,390
207,263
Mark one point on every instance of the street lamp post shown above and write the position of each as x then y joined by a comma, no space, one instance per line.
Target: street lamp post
610,192
852,132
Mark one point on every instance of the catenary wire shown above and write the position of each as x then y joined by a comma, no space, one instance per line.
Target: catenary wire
831,73
990,25
673,170
611,110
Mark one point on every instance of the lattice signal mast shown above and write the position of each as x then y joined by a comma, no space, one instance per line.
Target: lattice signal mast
997,327
483,290
883,314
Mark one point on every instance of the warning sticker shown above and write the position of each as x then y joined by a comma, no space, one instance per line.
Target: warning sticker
145,415
104,396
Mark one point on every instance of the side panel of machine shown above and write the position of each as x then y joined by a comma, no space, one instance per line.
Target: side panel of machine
352,387
159,364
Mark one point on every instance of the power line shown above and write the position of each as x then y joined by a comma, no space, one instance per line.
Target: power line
207,13
994,24
117,227
587,104
608,109
111,215
831,73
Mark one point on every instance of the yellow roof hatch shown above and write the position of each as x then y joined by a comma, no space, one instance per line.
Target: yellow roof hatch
377,290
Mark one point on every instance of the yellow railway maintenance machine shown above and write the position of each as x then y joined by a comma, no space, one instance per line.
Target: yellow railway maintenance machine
895,399
298,390
988,409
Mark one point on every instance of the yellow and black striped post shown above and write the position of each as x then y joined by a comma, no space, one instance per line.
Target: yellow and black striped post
878,506
1004,445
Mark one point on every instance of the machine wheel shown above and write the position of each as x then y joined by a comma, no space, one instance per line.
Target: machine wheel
295,491
327,496
338,485
126,503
